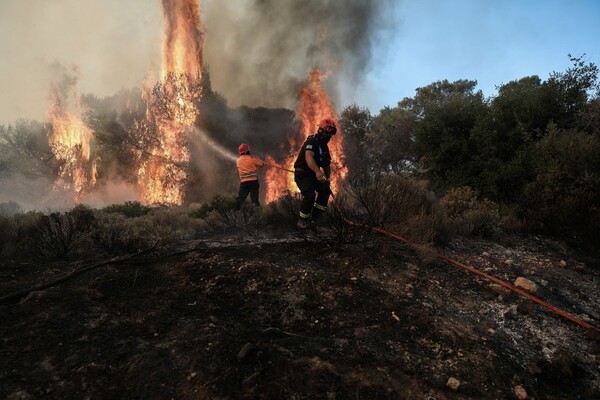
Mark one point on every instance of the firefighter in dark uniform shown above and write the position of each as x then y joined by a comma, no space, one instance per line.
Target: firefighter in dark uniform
311,173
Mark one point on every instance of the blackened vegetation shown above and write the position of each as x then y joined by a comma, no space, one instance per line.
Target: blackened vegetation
208,302
236,315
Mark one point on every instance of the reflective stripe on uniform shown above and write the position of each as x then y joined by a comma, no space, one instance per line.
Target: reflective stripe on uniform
320,207
250,175
305,216
247,165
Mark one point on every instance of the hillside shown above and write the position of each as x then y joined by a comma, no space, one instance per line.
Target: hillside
295,315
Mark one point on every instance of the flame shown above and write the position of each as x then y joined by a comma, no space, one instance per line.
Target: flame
70,140
162,168
314,106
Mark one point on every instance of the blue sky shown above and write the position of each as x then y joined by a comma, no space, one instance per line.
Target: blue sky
114,43
492,42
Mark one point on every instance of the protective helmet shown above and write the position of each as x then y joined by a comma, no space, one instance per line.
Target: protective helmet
328,125
244,148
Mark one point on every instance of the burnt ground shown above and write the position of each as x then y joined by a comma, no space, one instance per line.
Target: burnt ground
295,316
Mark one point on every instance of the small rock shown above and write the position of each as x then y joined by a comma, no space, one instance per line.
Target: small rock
485,254
526,284
453,384
563,263
508,262
491,331
501,290
520,392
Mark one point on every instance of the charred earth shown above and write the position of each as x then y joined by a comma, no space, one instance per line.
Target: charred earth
297,315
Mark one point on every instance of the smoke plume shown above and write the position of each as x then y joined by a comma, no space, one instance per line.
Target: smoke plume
260,52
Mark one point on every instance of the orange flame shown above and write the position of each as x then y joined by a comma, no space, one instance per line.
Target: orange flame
314,106
172,109
70,141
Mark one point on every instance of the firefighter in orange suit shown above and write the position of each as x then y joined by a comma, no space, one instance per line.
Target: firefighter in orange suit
247,165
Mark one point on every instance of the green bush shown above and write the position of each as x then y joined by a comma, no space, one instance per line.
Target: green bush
130,209
564,198
220,204
117,234
470,216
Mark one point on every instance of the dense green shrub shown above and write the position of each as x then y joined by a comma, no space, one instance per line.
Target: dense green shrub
564,198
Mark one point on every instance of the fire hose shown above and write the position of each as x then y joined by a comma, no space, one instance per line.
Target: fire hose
459,264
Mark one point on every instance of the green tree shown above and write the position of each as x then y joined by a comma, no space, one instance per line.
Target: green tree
392,139
357,124
573,90
517,117
564,196
445,114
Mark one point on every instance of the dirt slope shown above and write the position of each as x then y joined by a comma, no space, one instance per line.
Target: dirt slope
295,316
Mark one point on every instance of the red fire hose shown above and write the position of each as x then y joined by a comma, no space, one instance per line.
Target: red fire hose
274,166
466,267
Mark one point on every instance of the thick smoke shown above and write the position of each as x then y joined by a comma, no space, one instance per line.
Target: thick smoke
260,52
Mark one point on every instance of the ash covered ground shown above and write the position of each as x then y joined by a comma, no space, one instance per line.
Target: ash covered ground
296,315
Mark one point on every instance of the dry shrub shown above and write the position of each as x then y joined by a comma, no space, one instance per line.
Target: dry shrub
220,204
219,216
284,210
401,205
16,241
470,216
129,209
7,237
339,216
117,234
57,235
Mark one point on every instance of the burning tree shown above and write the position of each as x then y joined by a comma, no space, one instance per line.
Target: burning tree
314,105
172,107
70,138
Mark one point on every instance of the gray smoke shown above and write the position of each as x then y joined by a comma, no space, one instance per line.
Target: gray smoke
260,52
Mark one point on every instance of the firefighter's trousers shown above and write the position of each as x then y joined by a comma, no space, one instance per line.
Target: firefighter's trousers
312,204
248,187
